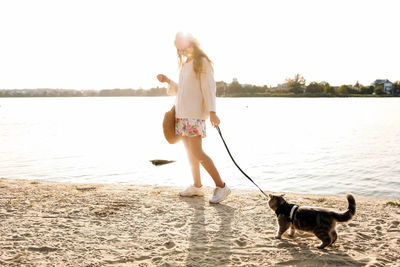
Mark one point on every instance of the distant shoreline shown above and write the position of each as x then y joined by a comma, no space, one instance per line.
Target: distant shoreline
308,96
232,96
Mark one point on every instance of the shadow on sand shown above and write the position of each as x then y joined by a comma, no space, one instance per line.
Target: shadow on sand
211,246
211,241
303,255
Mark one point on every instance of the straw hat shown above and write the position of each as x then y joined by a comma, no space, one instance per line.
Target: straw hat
169,127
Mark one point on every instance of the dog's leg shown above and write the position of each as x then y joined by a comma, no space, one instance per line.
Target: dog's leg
324,236
283,225
334,236
292,230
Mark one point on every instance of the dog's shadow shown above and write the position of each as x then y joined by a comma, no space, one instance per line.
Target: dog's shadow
304,254
211,246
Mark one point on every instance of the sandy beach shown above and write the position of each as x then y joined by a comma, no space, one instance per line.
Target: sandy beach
65,224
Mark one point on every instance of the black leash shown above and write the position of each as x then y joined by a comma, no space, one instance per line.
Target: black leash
227,149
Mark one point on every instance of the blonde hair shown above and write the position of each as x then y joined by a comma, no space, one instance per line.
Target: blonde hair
197,55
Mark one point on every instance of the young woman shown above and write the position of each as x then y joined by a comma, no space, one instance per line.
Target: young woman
195,102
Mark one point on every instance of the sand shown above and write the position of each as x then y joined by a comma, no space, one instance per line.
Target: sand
65,224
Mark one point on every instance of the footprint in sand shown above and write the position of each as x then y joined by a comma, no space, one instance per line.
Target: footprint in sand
353,224
156,259
169,244
241,242
394,227
378,232
364,236
42,249
180,225
282,245
142,258
384,246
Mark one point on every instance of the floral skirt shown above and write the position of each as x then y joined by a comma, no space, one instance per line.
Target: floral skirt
190,127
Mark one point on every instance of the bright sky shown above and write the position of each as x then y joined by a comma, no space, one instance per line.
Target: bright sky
95,44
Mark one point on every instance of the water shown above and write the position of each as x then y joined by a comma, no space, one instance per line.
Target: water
305,145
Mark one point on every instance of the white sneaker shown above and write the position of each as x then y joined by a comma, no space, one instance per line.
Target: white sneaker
192,191
220,194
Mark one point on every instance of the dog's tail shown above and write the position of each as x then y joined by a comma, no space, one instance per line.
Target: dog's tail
351,210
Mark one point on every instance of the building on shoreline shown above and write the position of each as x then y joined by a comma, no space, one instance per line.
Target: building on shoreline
387,85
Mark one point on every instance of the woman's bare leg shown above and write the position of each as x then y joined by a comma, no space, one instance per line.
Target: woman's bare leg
194,145
194,163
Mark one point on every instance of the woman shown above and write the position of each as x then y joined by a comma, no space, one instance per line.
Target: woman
195,103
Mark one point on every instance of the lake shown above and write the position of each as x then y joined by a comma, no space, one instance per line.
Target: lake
304,145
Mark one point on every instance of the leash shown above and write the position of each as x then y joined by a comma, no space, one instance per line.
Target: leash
227,149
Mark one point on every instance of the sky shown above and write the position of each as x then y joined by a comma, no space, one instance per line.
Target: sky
96,44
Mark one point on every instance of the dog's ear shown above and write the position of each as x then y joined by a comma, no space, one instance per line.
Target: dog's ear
270,195
282,195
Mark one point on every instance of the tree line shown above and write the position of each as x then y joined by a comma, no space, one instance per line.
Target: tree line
295,86
48,92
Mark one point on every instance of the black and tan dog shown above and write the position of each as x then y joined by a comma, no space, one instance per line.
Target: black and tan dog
321,222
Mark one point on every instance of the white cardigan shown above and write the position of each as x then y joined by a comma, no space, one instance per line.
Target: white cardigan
194,101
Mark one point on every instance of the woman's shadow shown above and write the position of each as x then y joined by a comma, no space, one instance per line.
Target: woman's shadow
212,247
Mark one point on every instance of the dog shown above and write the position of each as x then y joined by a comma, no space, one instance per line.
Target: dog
319,221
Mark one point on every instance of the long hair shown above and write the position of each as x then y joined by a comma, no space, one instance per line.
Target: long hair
197,55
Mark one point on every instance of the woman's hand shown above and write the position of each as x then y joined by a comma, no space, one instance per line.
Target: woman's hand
214,119
162,78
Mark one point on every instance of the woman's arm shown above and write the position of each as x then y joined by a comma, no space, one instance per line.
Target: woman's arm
172,86
209,88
